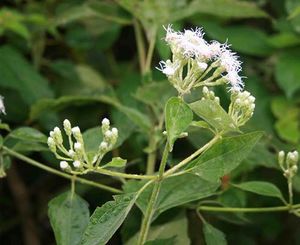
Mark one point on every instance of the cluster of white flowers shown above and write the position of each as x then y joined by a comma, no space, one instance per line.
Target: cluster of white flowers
288,163
76,156
197,62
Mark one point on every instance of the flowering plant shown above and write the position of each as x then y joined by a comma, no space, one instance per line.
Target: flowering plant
190,182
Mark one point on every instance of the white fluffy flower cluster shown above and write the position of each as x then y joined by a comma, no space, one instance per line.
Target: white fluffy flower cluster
197,62
76,155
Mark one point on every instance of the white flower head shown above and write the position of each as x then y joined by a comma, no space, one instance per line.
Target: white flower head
167,67
229,61
235,80
2,107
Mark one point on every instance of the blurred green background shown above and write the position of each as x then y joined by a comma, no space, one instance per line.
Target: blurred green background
59,58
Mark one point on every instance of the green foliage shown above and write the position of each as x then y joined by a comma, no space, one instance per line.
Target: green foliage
69,216
261,188
178,117
107,219
174,191
213,114
224,156
212,235
116,162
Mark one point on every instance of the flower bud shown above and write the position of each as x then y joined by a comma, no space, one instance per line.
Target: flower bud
51,144
77,134
71,153
76,164
78,146
103,146
202,65
64,165
105,122
67,127
57,135
2,107
281,156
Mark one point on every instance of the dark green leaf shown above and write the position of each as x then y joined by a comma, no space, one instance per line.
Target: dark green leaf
212,235
174,191
107,219
224,156
178,117
261,188
69,216
28,134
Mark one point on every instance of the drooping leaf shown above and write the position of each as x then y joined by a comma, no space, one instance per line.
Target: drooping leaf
261,188
224,156
174,191
178,117
116,162
213,114
69,216
165,241
213,236
106,219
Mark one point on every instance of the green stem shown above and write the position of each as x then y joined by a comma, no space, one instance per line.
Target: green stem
191,157
151,159
153,199
73,185
290,187
248,210
140,45
124,175
59,173
150,50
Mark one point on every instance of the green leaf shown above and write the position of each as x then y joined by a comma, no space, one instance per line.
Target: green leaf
175,231
213,114
224,156
4,126
28,134
69,216
261,188
116,162
22,77
178,117
174,191
213,236
106,219
287,72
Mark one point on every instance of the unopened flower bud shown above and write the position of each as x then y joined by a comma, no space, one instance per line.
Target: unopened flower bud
57,135
205,90
71,153
2,107
51,144
77,146
77,134
51,134
103,146
114,132
76,164
67,127
63,165
108,134
281,156
105,122
202,65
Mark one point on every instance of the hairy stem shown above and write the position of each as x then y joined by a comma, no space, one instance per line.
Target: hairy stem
153,199
140,44
150,50
124,175
57,172
151,159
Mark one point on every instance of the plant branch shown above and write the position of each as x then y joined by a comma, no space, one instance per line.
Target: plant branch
140,44
248,210
153,199
191,157
57,172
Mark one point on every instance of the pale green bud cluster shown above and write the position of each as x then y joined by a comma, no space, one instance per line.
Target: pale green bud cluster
288,163
75,159
209,95
241,107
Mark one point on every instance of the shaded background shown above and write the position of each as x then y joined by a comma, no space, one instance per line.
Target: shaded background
71,51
